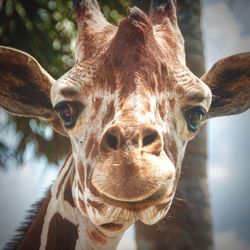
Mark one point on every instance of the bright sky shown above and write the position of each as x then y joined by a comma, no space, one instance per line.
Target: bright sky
225,32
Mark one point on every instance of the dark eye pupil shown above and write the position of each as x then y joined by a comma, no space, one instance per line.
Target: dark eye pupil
66,114
193,117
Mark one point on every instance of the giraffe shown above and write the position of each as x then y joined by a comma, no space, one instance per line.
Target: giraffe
129,106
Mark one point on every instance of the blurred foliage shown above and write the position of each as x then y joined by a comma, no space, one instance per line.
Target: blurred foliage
47,30
5,154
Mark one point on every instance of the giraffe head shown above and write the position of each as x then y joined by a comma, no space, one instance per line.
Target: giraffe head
129,106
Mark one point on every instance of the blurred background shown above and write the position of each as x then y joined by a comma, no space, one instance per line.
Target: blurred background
29,162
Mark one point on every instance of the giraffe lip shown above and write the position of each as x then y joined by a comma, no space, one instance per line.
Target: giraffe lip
150,201
134,180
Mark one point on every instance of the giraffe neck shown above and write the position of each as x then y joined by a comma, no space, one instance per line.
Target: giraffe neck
59,223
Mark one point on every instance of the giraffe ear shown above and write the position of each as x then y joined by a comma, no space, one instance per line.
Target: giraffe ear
229,81
25,87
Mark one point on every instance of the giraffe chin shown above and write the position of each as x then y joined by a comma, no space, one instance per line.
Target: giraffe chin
120,218
109,215
152,215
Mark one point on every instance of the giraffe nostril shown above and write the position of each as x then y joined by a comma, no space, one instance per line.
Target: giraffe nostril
117,138
112,141
149,139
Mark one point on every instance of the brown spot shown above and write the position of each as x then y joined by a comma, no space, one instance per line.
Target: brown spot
62,234
88,171
99,206
97,237
31,240
96,106
68,193
82,206
110,114
89,146
112,226
81,173
66,160
94,151
88,182
64,177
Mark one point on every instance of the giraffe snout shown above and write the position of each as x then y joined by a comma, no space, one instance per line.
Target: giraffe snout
146,138
133,169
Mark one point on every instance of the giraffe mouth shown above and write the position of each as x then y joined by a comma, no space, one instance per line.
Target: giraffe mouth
156,198
112,214
134,181
112,226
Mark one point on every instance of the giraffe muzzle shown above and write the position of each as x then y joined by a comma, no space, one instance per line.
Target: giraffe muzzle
133,171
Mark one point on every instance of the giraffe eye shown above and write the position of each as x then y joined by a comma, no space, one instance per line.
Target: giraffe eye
68,112
194,117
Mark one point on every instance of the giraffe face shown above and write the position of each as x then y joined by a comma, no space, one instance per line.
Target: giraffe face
129,112
129,106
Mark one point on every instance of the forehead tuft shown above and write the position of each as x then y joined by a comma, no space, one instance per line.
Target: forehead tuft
135,56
